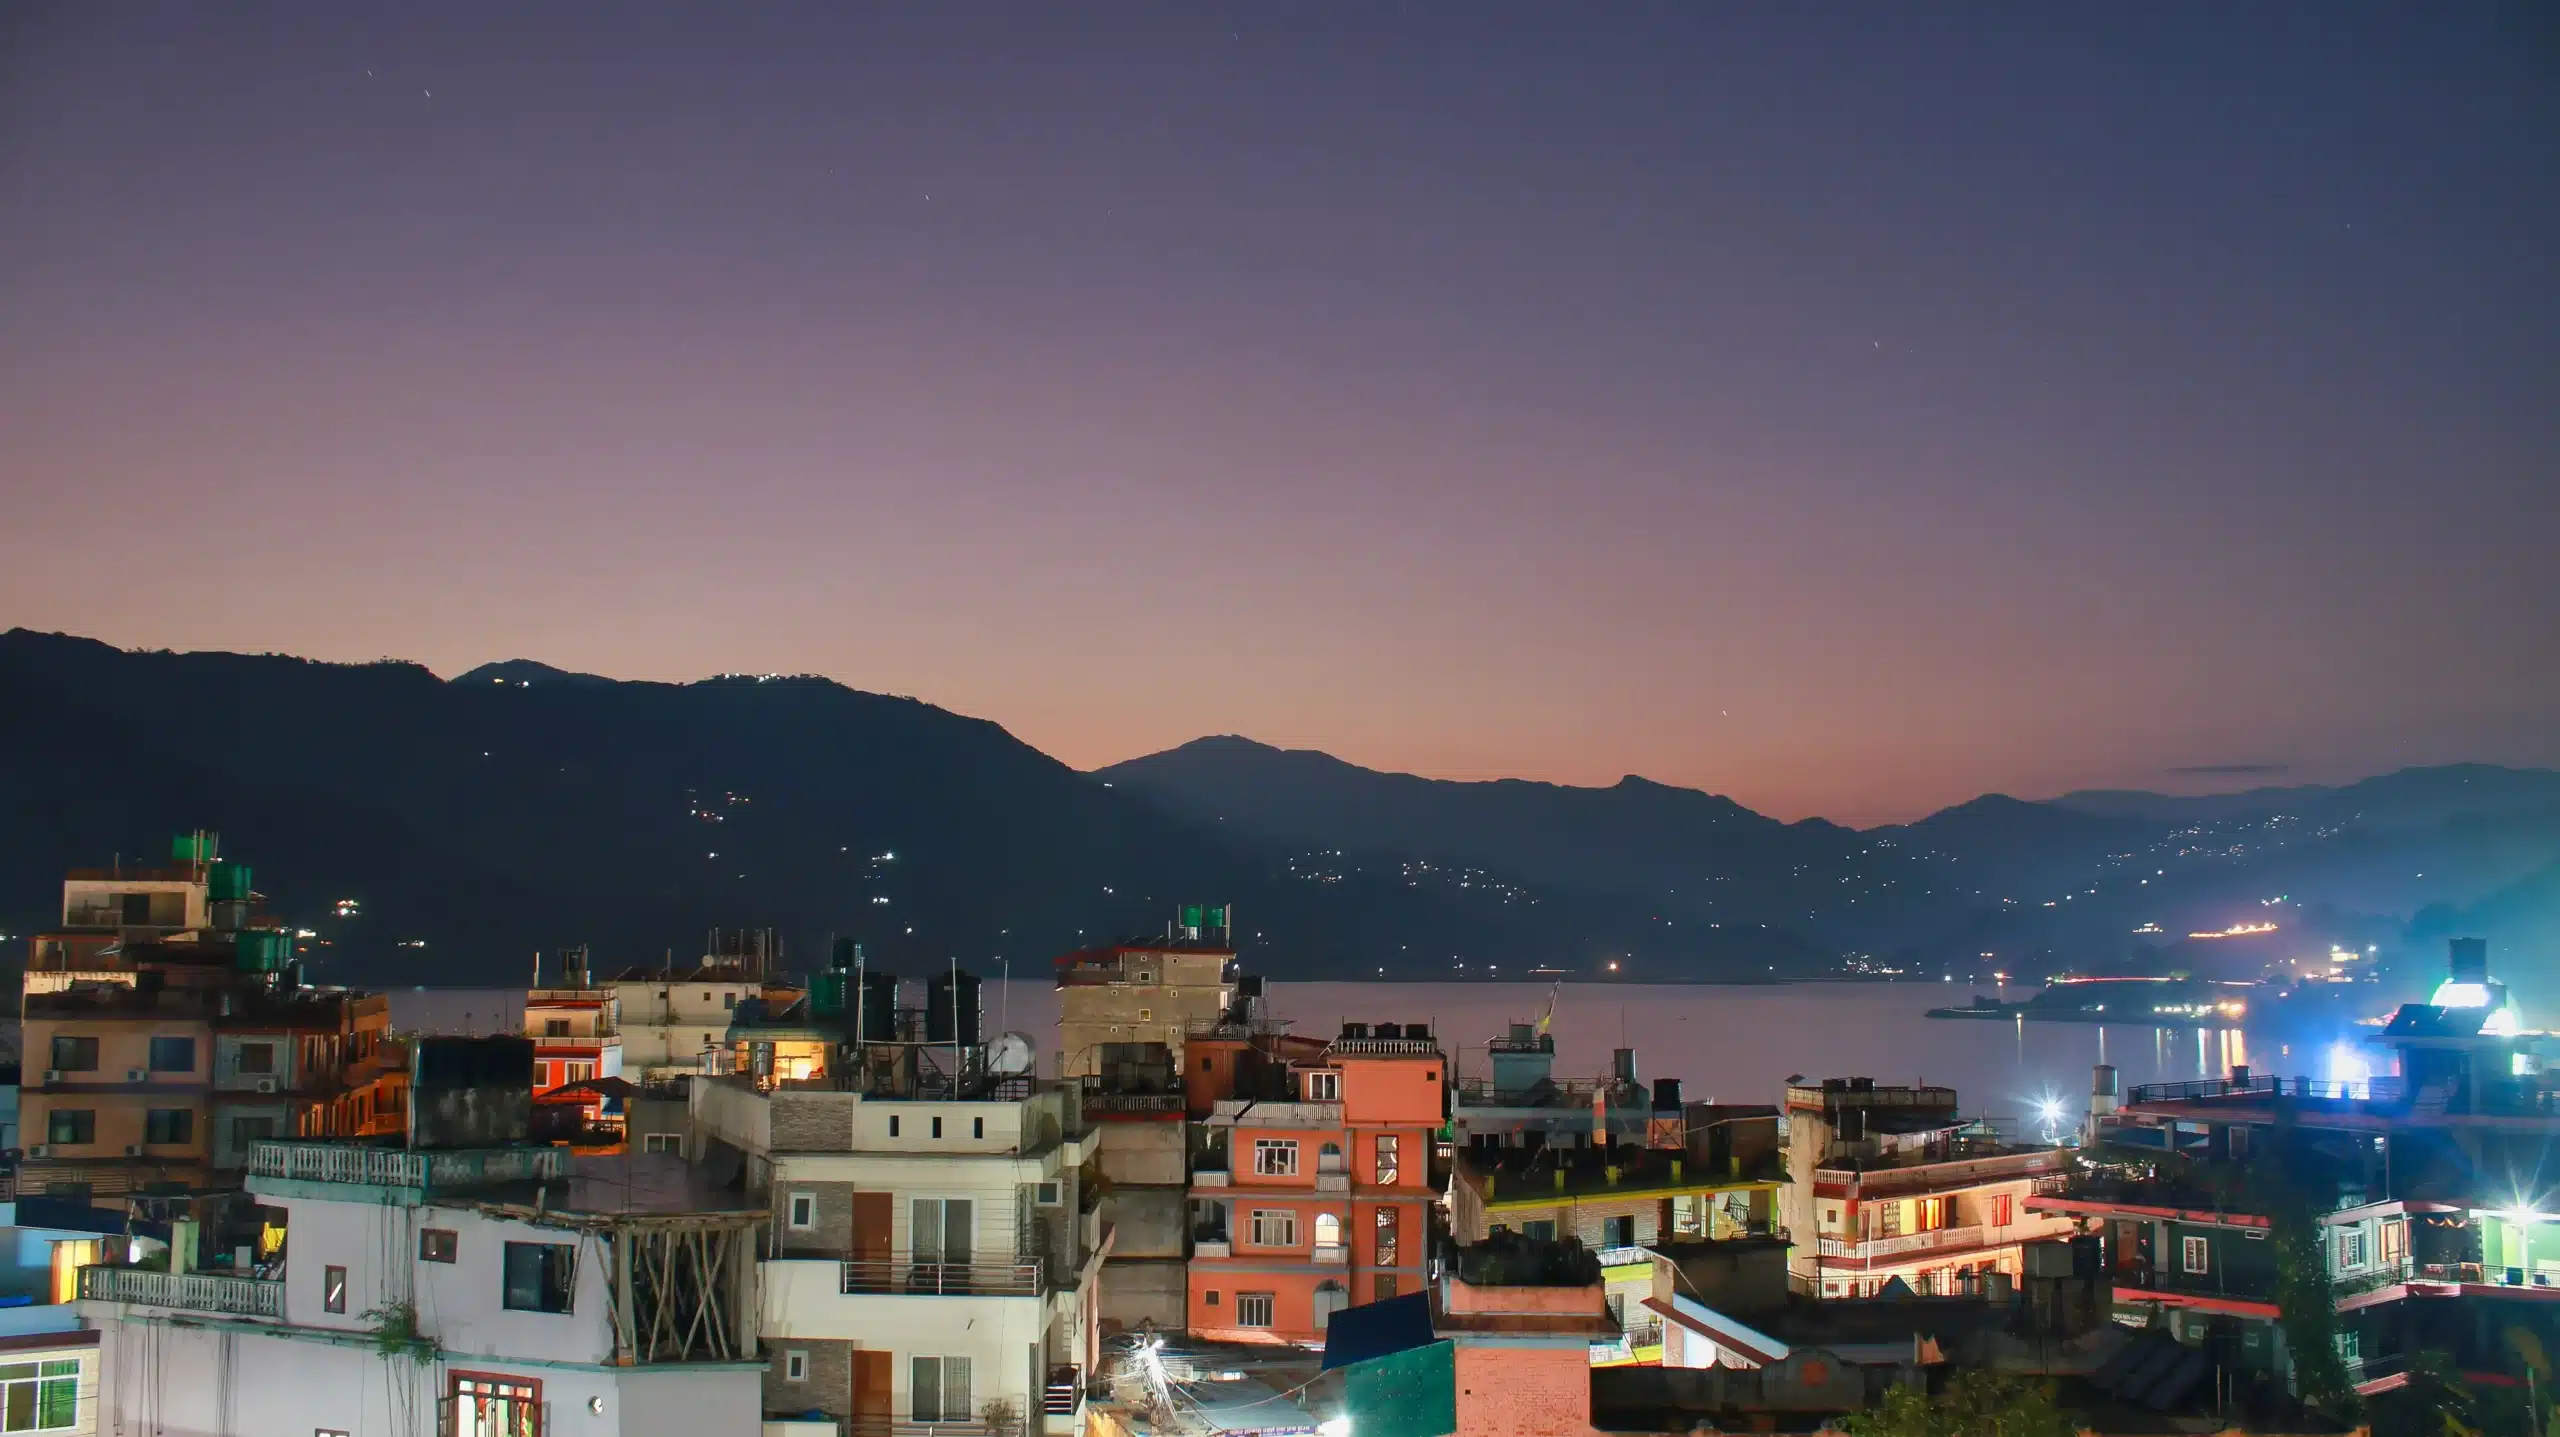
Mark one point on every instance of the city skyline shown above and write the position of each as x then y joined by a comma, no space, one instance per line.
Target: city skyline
1848,418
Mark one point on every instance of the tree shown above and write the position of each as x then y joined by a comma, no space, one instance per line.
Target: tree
1974,1404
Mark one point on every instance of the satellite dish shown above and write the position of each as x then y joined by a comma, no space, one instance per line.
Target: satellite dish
1011,1054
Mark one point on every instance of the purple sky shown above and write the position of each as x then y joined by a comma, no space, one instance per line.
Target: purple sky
1851,410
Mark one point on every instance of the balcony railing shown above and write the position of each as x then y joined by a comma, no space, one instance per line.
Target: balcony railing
1333,1182
1134,1102
941,1279
1623,1256
188,1291
545,1042
1210,1178
1332,1253
323,1162
2376,1090
1211,1247
2372,1280
1064,1392
1880,1247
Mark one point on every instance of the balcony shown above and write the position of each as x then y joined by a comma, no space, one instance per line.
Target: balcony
1625,1256
1062,1400
1333,1182
187,1291
1877,1248
1332,1254
897,1275
1212,1247
326,1162
555,1042
1210,1178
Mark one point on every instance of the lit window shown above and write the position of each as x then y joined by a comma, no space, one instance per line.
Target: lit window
1389,1164
437,1244
333,1289
40,1396
1275,1157
2193,1254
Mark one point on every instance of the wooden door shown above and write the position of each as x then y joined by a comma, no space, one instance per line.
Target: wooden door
871,1214
872,1408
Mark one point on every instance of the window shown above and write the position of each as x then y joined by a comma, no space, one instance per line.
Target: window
728,1000
2239,1144
893,1125
662,1143
1541,1229
71,1127
169,1125
1618,1232
333,1289
1386,1238
1386,1286
1205,1065
555,1027
257,1057
2350,1248
939,1389
937,1127
328,1432
942,1230
437,1244
40,1396
1253,1309
1209,1298
2192,1254
1274,1227
75,1055
540,1276
1328,1232
1324,1085
2395,1241
795,1366
1275,1157
1389,1159
1047,1194
1146,1015
2000,1212
977,1127
495,1407
804,1211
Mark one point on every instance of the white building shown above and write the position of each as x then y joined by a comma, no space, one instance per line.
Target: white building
934,1262
466,1293
672,1016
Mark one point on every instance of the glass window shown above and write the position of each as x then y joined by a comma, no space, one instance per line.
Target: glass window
662,1143
2193,1254
495,1407
75,1054
977,1127
2351,1248
804,1211
39,1396
438,1244
1386,1256
71,1127
1543,1229
333,1289
1274,1227
555,1027
795,1366
1328,1231
169,1125
939,1389
1390,1153
1253,1309
540,1276
942,1230
1324,1085
173,1055
257,1057
1275,1157
2000,1210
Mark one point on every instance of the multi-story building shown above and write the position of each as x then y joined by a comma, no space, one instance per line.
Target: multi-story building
472,1292
935,1239
671,1019
1889,1185
1304,1205
1121,1002
576,1027
156,1071
2421,1185
104,909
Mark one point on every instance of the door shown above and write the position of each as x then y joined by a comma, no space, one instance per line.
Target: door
873,1407
939,1237
871,1214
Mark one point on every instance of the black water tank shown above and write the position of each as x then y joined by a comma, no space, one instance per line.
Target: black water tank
1666,1095
844,955
1249,986
879,1006
1390,1030
952,1011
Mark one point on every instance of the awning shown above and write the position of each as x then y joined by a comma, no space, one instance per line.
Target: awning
1719,1329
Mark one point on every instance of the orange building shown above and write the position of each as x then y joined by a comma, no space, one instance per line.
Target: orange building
1305,1204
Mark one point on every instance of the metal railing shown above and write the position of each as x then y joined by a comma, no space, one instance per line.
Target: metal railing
2374,1280
1622,1256
2375,1090
1064,1392
1645,1334
1876,1247
1134,1102
326,1162
190,1291
862,1275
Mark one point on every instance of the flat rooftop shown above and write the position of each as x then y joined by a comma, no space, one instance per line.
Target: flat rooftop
619,1185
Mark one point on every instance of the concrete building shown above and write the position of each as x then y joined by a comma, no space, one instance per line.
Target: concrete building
104,909
1522,1317
1120,1002
49,1372
936,1237
670,1019
473,1292
1888,1184
1306,1205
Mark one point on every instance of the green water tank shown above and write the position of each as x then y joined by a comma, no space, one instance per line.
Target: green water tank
827,993
265,950
229,881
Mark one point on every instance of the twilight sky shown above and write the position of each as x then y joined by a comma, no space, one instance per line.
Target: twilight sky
1851,409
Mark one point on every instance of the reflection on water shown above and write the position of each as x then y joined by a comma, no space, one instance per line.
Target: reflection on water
1729,1044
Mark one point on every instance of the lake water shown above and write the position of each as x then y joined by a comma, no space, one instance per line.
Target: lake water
1733,1044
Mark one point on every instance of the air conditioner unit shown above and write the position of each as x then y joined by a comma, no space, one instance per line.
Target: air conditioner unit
52,1076
39,1150
133,1150
266,1085
137,1075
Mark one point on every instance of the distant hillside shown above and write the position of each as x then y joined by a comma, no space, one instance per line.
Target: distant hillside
519,808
